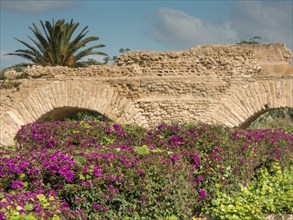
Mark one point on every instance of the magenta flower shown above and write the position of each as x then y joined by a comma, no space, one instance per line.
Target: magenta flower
217,150
2,216
200,178
151,147
97,170
174,158
117,127
108,130
96,207
17,184
202,193
33,171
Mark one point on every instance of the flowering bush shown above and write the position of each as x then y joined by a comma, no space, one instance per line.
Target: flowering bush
99,170
32,205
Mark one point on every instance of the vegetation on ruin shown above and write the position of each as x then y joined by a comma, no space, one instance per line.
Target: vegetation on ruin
253,40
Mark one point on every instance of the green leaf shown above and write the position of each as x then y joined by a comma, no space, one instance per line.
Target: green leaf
15,213
41,197
55,217
157,150
45,205
82,177
79,160
1,195
143,150
18,208
28,207
30,217
173,217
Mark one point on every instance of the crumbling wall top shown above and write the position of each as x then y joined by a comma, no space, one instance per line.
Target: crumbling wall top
204,60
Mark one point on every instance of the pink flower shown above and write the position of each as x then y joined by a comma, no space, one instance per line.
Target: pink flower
97,170
18,184
96,207
200,178
202,193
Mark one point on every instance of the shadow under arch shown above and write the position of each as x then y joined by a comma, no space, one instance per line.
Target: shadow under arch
252,118
283,113
66,112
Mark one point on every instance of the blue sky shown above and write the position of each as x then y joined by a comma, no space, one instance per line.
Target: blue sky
152,25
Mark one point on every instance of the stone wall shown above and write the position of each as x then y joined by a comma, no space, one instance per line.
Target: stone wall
229,85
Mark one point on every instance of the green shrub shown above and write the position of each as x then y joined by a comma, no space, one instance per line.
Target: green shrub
151,189
269,192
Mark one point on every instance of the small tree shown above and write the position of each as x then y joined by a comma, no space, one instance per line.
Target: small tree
114,59
251,40
56,45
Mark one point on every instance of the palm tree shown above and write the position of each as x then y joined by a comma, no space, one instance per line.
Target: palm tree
56,46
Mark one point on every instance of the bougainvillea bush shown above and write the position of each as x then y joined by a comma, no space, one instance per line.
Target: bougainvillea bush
98,170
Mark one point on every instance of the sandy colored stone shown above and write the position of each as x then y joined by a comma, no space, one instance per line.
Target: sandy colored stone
226,84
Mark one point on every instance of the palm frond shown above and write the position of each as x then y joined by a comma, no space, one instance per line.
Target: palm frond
28,46
24,55
54,44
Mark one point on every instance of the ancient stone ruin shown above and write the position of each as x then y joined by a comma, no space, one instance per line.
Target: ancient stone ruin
219,84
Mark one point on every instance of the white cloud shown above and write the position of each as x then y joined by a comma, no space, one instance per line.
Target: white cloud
36,6
180,30
271,20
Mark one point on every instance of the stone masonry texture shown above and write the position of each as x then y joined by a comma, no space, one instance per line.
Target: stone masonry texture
216,84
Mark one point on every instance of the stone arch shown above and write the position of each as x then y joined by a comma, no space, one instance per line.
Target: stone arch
242,105
94,96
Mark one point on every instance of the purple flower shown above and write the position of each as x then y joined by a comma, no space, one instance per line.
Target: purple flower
33,171
174,158
195,159
2,216
200,178
97,170
117,127
77,199
217,150
85,183
104,208
96,207
202,193
151,147
17,184
121,134
176,140
108,130
68,175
